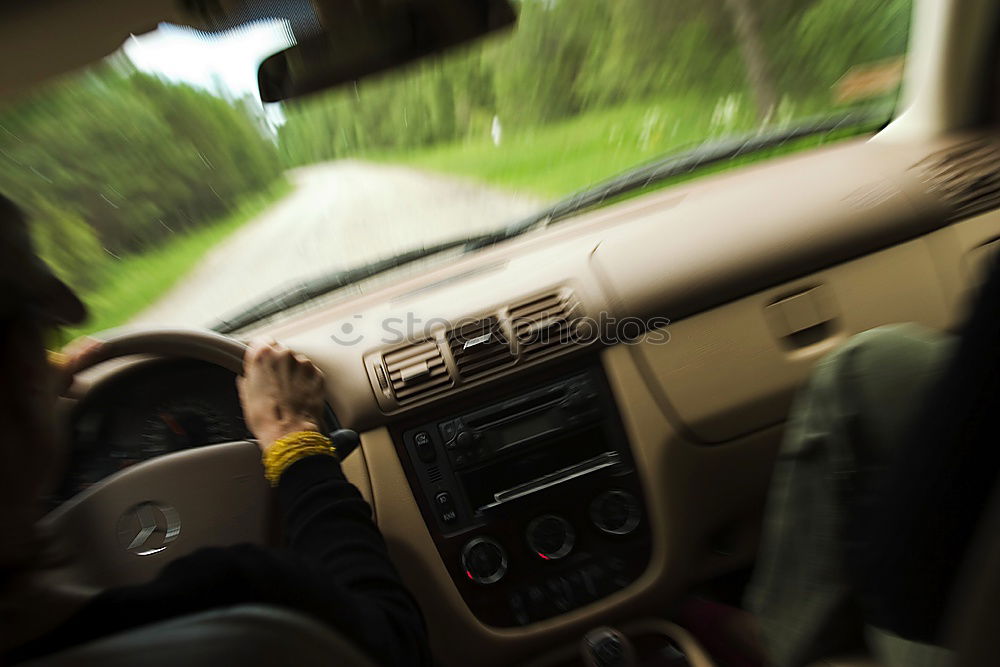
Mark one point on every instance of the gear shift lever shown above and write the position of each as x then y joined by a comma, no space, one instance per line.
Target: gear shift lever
607,647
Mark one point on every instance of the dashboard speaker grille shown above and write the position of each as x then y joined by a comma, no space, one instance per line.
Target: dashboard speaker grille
966,177
416,370
480,347
545,324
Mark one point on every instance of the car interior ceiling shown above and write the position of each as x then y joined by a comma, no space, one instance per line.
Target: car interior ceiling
529,497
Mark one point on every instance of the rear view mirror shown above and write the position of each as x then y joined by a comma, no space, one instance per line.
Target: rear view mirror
362,38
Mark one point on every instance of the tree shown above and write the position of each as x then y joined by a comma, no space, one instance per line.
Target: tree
746,27
120,160
568,57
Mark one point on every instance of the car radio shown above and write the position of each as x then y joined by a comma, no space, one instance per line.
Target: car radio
531,487
482,435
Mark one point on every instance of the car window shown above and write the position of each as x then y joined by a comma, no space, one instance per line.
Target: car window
164,191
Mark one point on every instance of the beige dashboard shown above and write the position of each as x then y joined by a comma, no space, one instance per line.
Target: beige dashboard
760,272
742,281
668,255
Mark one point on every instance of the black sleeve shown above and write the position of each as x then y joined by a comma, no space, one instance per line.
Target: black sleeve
335,568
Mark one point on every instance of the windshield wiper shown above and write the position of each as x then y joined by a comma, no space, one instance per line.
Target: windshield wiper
675,164
685,162
289,297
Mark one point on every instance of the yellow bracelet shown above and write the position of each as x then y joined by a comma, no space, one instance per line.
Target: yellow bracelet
291,448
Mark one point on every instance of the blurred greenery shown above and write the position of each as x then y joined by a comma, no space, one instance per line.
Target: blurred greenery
853,131
130,178
116,162
558,158
590,160
587,82
133,283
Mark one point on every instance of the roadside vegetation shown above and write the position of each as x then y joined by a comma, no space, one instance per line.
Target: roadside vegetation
555,160
136,281
585,89
129,179
567,155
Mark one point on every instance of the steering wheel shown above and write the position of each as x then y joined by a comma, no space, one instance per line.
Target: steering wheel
124,528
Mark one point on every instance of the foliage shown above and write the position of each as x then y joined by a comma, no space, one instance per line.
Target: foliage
68,244
129,285
565,156
569,156
575,57
116,161
832,42
126,175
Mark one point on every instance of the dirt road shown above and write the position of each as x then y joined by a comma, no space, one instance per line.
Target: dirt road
341,214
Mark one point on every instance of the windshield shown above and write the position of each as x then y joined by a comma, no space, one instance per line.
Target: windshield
164,191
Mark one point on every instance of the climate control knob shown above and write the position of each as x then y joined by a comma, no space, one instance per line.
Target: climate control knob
615,512
465,438
484,560
550,537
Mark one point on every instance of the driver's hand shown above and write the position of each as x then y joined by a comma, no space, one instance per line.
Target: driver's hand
281,392
79,354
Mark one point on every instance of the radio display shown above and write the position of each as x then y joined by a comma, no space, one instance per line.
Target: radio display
514,433
558,452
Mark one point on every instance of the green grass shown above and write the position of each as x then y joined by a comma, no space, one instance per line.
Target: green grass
787,148
558,159
137,281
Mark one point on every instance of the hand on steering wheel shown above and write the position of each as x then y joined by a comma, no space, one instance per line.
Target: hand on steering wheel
80,353
216,494
281,392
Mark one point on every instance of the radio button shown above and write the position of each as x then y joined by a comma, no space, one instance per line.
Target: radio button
615,512
465,438
445,507
448,432
559,593
518,608
424,446
577,587
537,603
550,537
484,560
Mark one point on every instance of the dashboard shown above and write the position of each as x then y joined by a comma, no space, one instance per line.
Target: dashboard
150,409
639,467
852,237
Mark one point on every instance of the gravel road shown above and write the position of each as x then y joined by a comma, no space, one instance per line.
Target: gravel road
340,215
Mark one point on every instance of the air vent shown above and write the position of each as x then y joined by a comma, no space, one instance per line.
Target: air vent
544,324
966,177
416,370
480,347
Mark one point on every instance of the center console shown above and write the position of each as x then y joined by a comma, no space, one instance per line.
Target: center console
532,499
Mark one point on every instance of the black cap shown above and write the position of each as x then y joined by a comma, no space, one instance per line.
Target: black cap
26,280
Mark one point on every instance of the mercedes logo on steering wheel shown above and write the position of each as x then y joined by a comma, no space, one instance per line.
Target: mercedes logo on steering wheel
147,528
